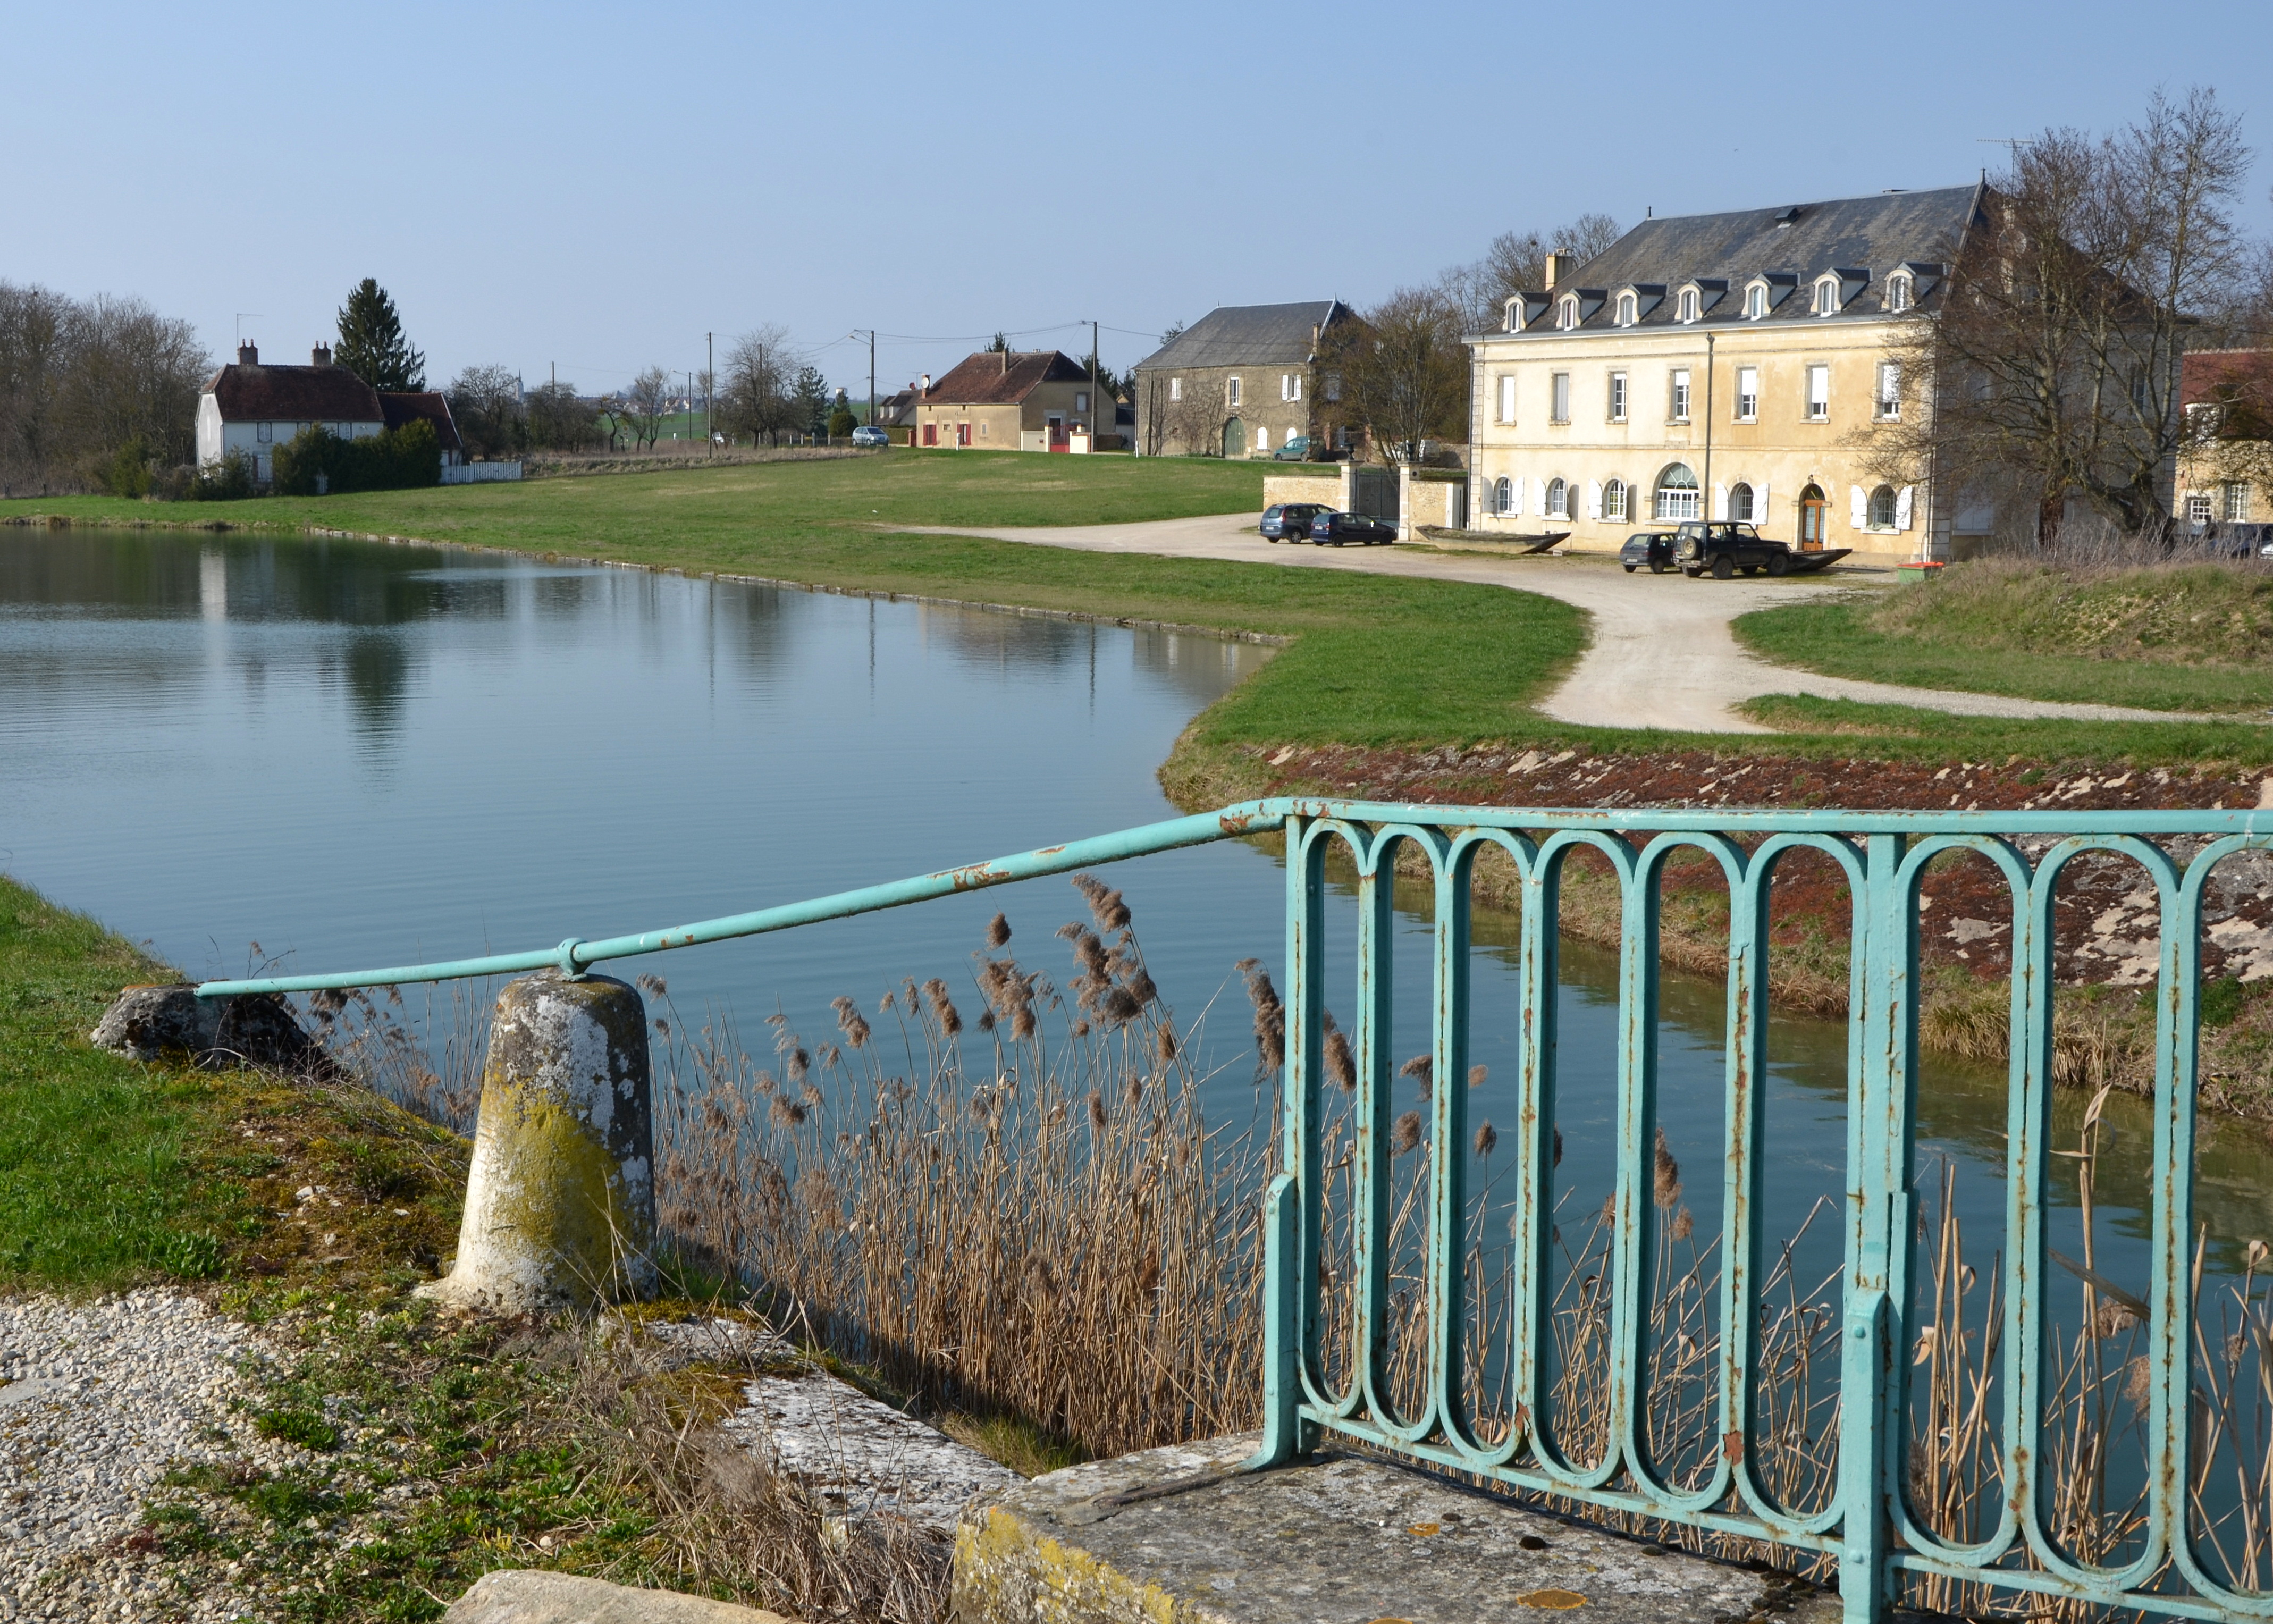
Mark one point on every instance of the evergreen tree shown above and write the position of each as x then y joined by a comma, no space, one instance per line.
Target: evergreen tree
372,345
810,398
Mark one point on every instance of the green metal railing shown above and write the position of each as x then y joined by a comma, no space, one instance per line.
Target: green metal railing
1867,1522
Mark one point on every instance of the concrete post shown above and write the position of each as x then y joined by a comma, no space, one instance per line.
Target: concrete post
1349,484
560,1198
1408,524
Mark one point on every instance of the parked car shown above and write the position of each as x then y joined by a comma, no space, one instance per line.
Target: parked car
1290,521
1295,450
1333,527
869,434
1653,548
1724,549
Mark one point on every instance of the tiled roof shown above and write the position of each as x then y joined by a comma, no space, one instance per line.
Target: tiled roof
2208,376
1249,335
991,379
1862,239
293,394
409,407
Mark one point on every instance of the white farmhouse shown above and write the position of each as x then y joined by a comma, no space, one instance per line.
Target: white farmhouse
251,409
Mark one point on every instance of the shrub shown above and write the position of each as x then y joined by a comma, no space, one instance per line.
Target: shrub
229,480
127,473
842,423
316,461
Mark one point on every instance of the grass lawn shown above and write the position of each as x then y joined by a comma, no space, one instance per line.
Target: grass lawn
2191,638
1373,660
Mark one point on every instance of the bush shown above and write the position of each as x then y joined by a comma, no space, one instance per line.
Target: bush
316,461
127,473
229,480
842,423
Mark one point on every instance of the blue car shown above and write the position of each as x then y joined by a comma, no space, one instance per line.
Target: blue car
1337,529
1289,521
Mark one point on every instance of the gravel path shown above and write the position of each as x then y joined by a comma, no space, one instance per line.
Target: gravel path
97,1401
1662,654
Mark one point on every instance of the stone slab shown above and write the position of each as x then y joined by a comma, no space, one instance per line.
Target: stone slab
1339,1539
529,1596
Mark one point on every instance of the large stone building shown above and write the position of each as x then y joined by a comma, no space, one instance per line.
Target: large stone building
2225,464
1730,366
1000,400
1241,381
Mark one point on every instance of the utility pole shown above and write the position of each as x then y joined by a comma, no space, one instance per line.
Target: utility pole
870,334
710,389
1093,386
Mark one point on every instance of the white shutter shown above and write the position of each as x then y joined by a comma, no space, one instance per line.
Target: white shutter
1507,398
1515,497
1593,499
1858,507
1902,508
1720,500
1760,504
1539,496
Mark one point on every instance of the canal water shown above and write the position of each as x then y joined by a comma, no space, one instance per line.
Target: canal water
306,755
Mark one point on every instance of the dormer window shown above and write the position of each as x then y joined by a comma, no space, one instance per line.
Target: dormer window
1516,314
1629,310
1688,305
1756,301
1567,314
1899,295
1826,295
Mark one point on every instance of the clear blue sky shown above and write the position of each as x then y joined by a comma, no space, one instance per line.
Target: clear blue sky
599,187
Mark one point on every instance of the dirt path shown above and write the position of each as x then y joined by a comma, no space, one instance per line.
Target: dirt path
1662,656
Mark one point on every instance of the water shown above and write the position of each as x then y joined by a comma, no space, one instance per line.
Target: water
354,755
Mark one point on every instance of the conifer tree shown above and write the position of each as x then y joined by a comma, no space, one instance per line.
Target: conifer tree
372,345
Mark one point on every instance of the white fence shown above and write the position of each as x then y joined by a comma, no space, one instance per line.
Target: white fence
480,473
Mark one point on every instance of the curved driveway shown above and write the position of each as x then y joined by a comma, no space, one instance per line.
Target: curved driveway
1662,654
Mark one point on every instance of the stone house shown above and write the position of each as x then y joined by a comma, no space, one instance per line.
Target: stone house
1729,366
1035,399
1241,381
250,407
2226,465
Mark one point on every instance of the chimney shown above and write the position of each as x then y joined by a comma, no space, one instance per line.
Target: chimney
248,355
1556,268
321,356
925,385
1006,364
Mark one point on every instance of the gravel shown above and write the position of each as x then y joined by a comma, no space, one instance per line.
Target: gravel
98,1400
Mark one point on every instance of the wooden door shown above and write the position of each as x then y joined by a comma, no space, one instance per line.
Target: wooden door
1235,439
1811,507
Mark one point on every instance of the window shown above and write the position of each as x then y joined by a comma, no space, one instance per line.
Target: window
1175,389
1290,386
1617,398
1081,399
931,434
1898,292
1262,437
1818,393
1333,386
1503,497
1677,496
266,432
2198,508
1629,310
2236,501
1507,397
1681,395
1567,314
1826,297
1614,500
1231,392
1689,304
1740,503
1890,390
1756,301
962,433
1748,395
1882,509
1558,500
1560,411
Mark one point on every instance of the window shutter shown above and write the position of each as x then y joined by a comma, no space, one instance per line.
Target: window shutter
1593,499
1902,508
1515,497
1759,504
1858,507
1539,496
1720,501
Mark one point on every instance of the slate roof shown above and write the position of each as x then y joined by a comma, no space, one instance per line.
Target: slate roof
1869,237
984,380
431,404
293,394
1247,336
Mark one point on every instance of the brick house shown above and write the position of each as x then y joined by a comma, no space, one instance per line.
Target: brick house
1034,399
1241,382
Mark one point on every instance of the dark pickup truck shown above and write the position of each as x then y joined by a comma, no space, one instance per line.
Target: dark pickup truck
1726,549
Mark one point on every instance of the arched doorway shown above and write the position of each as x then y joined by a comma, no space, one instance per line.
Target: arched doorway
1235,439
1811,507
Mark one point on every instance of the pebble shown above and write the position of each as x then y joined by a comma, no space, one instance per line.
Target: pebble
98,1401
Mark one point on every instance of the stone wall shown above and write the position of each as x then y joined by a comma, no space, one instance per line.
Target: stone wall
1324,484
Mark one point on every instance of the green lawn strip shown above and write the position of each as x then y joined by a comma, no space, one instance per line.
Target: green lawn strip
1838,638
101,1160
1903,734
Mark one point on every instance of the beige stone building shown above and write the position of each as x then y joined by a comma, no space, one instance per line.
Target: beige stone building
1240,382
2226,465
1034,399
1726,367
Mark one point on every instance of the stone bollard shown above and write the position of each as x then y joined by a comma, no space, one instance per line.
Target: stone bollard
560,1198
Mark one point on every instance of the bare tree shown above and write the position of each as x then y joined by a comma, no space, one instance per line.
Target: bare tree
84,383
1404,369
485,403
2053,355
646,404
1515,262
754,384
1196,421
558,419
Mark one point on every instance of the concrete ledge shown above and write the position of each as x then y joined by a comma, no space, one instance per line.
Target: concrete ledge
531,1596
1340,1539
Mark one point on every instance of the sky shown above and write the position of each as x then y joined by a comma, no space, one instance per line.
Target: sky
594,189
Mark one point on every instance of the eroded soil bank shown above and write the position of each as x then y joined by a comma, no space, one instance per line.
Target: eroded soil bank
2105,913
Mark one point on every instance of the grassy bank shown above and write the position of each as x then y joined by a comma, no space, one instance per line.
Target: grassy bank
1372,659
2179,637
